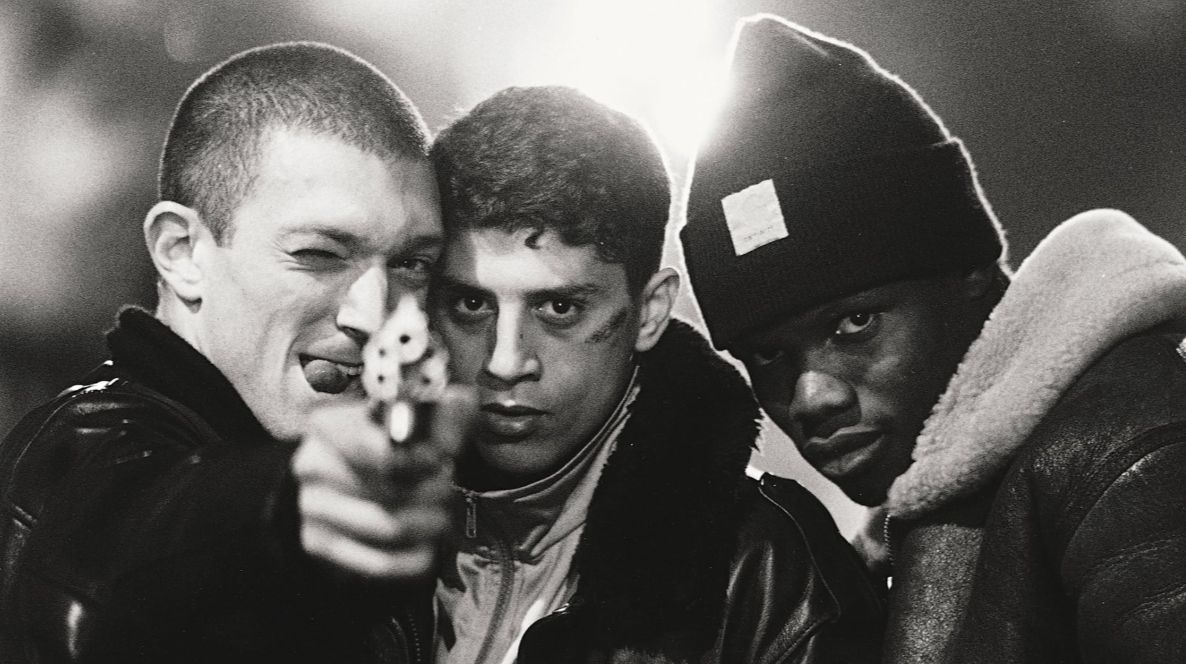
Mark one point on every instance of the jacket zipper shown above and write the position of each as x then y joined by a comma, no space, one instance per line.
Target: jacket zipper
506,572
471,513
411,636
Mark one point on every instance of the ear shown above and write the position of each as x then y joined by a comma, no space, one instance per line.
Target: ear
657,299
172,231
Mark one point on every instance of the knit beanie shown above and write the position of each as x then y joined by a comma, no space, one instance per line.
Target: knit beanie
824,176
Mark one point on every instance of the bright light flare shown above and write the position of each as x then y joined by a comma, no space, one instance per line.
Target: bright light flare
663,61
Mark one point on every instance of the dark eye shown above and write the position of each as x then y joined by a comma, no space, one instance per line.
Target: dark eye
419,264
469,308
471,304
856,323
764,356
560,312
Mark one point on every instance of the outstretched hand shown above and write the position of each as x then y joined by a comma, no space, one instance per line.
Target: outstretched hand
375,508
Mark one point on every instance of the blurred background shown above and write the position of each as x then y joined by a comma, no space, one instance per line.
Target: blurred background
1064,104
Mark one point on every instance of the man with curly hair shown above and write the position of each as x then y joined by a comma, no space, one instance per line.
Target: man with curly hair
608,516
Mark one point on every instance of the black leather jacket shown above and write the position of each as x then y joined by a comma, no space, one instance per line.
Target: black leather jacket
148,517
793,596
1082,542
1084,555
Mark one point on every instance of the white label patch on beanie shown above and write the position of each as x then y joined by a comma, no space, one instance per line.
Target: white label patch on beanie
754,217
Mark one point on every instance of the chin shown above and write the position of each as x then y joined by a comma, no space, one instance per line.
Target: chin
289,431
507,461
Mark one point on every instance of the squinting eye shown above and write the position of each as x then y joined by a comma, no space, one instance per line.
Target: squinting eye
311,255
856,323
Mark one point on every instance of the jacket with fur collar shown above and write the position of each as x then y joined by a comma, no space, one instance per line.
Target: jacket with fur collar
1044,518
685,559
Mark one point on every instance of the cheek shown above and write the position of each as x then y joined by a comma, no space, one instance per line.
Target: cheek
774,394
285,298
467,350
612,332
578,372
903,385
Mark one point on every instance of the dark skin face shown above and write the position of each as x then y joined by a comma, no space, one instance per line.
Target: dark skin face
852,381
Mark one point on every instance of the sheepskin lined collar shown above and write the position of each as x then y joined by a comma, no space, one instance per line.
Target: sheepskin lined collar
1096,279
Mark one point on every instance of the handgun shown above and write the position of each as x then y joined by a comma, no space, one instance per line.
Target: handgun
404,371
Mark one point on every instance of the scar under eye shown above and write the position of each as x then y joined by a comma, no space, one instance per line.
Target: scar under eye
609,329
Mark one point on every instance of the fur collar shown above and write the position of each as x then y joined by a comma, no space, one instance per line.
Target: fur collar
1096,279
655,554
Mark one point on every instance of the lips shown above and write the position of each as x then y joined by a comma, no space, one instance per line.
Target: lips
843,454
511,420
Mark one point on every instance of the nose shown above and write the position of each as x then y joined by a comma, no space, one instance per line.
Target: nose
820,402
511,360
365,305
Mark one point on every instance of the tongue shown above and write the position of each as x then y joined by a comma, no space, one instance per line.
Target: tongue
325,376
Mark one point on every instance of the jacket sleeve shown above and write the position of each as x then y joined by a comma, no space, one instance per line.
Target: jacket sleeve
1084,558
1125,564
798,593
127,527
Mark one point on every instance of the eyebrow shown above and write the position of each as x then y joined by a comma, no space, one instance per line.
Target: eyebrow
423,241
354,241
565,292
332,232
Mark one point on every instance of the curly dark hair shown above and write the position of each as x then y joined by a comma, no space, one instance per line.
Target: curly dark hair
552,159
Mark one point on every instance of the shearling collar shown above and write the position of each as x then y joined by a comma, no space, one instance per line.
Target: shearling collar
1096,279
655,554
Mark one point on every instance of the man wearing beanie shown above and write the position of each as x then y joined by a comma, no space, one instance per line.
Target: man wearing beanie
1025,434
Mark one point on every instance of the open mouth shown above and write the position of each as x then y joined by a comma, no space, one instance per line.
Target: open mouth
329,376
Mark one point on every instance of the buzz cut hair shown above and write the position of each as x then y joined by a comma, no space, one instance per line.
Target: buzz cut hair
213,148
550,158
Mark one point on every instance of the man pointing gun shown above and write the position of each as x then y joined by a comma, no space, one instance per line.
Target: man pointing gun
149,513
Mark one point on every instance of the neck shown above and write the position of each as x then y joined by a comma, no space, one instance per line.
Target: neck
179,316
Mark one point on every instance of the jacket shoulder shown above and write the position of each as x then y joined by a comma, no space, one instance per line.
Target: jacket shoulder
1125,407
796,577
100,423
1084,539
121,509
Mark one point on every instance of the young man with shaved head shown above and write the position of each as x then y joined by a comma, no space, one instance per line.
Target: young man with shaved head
1026,433
149,513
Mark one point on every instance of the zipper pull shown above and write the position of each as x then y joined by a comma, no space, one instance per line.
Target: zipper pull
471,515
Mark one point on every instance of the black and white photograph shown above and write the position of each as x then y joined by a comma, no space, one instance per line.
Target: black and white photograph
593,331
